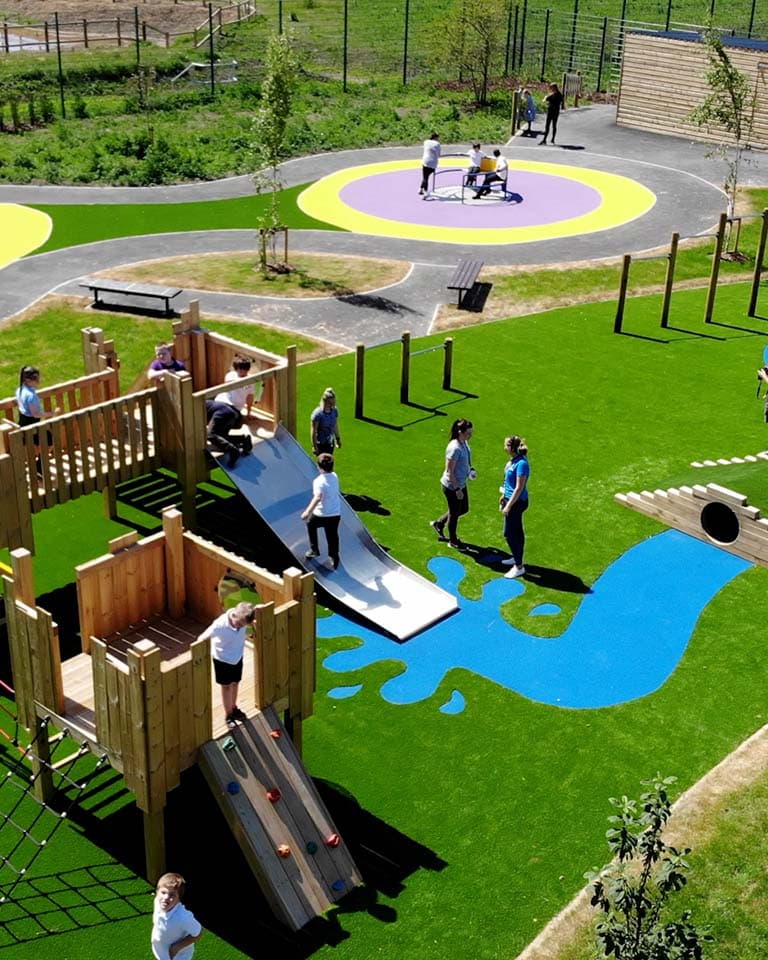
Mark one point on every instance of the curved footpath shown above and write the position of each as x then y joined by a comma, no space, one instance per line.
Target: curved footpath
677,171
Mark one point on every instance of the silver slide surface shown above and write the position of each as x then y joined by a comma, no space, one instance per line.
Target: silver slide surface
276,479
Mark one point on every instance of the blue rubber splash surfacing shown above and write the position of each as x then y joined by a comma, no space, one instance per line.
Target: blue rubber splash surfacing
624,641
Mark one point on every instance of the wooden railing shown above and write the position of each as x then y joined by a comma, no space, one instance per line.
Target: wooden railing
70,395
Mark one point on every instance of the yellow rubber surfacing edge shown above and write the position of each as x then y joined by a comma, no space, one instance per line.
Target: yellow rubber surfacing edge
22,230
622,200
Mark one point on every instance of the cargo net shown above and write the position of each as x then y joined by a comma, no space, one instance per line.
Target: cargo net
28,824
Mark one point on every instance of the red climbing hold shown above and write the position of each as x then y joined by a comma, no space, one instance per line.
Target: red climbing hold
275,734
333,840
273,795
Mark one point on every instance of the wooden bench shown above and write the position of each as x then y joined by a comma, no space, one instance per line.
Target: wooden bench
464,277
129,288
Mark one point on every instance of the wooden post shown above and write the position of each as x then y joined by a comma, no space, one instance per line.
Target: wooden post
669,279
759,256
41,763
109,500
709,309
359,380
622,297
154,845
23,576
405,366
447,363
174,562
290,415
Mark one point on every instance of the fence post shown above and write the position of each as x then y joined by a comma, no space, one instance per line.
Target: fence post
573,34
47,37
758,265
6,42
522,33
751,19
346,36
405,41
622,297
61,71
211,49
669,279
544,45
448,363
405,366
712,292
669,14
119,32
602,54
514,37
85,33
359,380
509,37
138,39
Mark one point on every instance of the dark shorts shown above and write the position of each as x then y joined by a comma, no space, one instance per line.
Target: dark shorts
227,673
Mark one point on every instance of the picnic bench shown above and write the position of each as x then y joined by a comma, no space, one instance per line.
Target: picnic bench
464,277
129,288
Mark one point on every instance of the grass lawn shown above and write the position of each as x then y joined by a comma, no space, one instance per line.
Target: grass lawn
474,829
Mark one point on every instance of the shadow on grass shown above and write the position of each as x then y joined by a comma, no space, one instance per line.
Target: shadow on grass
547,577
362,503
82,898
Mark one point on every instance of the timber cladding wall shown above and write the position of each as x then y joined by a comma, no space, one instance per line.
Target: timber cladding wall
663,79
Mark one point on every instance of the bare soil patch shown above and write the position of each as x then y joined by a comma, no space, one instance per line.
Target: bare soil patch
170,17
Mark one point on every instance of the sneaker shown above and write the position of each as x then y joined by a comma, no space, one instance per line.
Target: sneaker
456,544
310,554
438,527
514,572
237,714
421,193
335,564
233,455
247,443
509,562
231,722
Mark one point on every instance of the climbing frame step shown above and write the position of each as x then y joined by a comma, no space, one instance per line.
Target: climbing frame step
278,818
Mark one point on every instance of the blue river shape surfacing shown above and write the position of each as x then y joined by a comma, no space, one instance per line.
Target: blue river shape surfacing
624,641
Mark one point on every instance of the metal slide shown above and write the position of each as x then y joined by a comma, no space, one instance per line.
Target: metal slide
276,479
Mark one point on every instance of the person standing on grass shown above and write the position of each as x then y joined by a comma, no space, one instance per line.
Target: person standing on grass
429,161
458,469
227,636
514,503
175,931
324,424
324,510
555,103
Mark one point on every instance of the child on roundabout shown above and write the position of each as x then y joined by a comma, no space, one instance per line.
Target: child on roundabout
458,470
514,503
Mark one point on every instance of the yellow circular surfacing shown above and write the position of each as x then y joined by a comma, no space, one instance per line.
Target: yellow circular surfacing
22,230
622,200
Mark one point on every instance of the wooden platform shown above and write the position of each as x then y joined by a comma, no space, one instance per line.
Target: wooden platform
173,637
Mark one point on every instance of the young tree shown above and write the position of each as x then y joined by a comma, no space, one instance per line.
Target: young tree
269,125
730,105
632,891
472,38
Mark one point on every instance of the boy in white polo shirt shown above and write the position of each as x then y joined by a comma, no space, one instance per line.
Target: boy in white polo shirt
175,931
227,635
324,510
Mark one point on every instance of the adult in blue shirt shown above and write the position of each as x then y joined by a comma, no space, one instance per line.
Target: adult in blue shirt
514,503
325,424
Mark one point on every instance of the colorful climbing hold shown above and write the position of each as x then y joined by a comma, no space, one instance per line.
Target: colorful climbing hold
311,846
233,787
337,885
283,850
273,795
228,744
333,840
275,734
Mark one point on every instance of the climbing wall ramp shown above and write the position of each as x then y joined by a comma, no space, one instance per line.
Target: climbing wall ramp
276,479
279,819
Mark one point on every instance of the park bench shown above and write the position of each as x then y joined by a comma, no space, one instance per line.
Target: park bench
129,288
464,277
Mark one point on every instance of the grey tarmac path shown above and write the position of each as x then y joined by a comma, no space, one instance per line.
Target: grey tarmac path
680,172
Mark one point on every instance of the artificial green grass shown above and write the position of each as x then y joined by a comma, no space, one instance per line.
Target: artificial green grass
52,342
502,807
76,224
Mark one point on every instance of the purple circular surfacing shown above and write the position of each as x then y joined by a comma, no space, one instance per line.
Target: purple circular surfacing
546,198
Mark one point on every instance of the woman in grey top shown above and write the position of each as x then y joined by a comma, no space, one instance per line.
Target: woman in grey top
458,469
